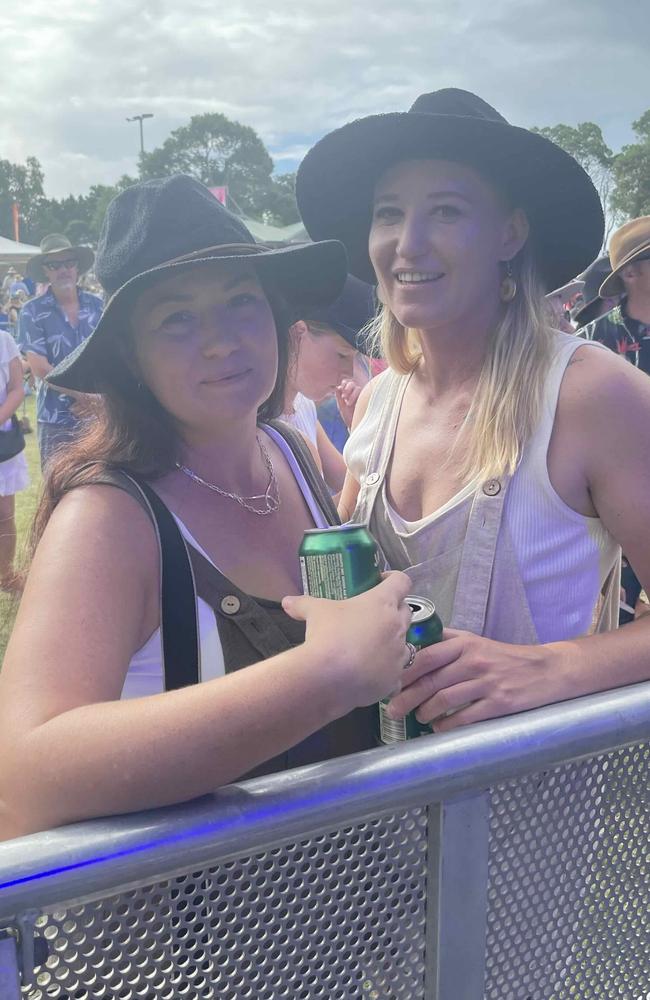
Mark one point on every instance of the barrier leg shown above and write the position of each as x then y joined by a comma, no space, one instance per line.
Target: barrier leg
457,898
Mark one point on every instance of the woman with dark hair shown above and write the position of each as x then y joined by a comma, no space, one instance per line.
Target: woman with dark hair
181,500
493,460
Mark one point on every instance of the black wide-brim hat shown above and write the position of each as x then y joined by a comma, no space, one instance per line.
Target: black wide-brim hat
336,180
170,225
349,314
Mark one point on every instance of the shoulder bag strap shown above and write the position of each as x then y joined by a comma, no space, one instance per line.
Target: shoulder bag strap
306,464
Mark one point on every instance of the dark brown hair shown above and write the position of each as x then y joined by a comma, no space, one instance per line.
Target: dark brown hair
127,428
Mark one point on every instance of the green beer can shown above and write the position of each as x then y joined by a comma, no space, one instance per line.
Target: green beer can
339,562
425,629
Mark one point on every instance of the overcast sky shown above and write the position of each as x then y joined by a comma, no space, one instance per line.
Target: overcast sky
71,71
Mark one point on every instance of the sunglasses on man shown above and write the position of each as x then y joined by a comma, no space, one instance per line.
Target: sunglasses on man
58,265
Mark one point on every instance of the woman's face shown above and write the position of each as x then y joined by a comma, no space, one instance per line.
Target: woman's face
324,359
205,344
438,237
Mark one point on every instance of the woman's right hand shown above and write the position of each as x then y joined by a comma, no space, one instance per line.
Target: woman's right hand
362,640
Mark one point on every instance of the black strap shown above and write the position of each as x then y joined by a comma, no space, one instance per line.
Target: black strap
307,466
178,616
178,624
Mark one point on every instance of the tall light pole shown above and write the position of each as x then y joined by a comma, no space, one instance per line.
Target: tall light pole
140,118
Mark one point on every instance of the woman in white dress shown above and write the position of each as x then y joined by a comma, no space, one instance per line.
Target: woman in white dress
14,474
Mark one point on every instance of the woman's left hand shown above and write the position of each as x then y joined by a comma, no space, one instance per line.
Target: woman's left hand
467,678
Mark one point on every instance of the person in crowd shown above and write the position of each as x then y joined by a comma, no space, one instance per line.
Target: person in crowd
14,474
51,326
5,322
8,280
100,677
625,329
335,413
591,306
323,348
487,460
559,305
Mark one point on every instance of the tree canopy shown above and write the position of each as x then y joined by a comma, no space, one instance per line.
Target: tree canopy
631,196
22,184
219,152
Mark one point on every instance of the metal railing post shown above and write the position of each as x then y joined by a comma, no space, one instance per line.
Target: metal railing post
9,967
457,898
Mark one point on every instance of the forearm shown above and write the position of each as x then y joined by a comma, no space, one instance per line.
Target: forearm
11,403
123,756
603,661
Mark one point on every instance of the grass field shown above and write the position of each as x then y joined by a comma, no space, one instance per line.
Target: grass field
25,506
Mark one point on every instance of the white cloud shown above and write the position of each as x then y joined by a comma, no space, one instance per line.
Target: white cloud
73,72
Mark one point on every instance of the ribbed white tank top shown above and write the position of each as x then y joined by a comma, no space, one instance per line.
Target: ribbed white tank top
563,558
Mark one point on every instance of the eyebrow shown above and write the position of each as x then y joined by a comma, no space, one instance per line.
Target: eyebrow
391,198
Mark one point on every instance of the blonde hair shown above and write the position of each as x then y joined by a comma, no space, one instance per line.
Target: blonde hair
508,398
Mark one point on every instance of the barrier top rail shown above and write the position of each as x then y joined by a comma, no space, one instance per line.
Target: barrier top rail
85,859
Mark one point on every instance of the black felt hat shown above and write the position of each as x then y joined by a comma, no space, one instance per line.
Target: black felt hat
349,314
170,225
337,178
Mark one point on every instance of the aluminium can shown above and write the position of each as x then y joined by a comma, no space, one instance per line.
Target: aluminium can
425,629
340,562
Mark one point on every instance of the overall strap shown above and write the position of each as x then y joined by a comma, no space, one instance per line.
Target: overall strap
477,558
178,620
393,387
307,466
238,609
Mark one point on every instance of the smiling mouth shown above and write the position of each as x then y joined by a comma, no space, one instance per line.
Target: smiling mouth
418,277
232,377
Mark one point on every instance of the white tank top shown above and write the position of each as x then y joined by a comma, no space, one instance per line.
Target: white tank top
562,558
304,417
145,673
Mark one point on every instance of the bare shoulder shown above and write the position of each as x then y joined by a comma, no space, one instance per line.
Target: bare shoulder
601,388
103,516
97,537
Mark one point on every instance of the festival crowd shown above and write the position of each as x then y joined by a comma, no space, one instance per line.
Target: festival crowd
452,361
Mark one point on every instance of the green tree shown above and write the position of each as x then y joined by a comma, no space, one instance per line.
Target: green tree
21,183
631,195
219,152
586,144
79,217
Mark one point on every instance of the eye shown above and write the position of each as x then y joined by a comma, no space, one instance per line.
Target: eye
242,299
386,213
178,323
448,213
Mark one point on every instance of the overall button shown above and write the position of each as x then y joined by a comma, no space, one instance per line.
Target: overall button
492,487
230,605
372,479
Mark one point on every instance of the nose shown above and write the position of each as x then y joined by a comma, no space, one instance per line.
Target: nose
218,336
413,240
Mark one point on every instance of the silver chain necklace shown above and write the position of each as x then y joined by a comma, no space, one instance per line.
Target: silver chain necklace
270,498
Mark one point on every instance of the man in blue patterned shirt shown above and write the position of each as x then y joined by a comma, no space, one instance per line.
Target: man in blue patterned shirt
50,328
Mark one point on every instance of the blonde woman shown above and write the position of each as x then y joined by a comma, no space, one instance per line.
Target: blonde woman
493,459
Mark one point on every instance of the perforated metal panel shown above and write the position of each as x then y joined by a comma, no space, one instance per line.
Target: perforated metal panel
569,893
337,916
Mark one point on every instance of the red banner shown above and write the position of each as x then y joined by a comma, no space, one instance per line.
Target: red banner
220,193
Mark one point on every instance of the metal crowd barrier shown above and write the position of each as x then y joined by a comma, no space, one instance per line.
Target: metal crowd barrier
507,861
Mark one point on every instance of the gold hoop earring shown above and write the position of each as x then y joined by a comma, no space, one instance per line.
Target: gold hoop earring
508,288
